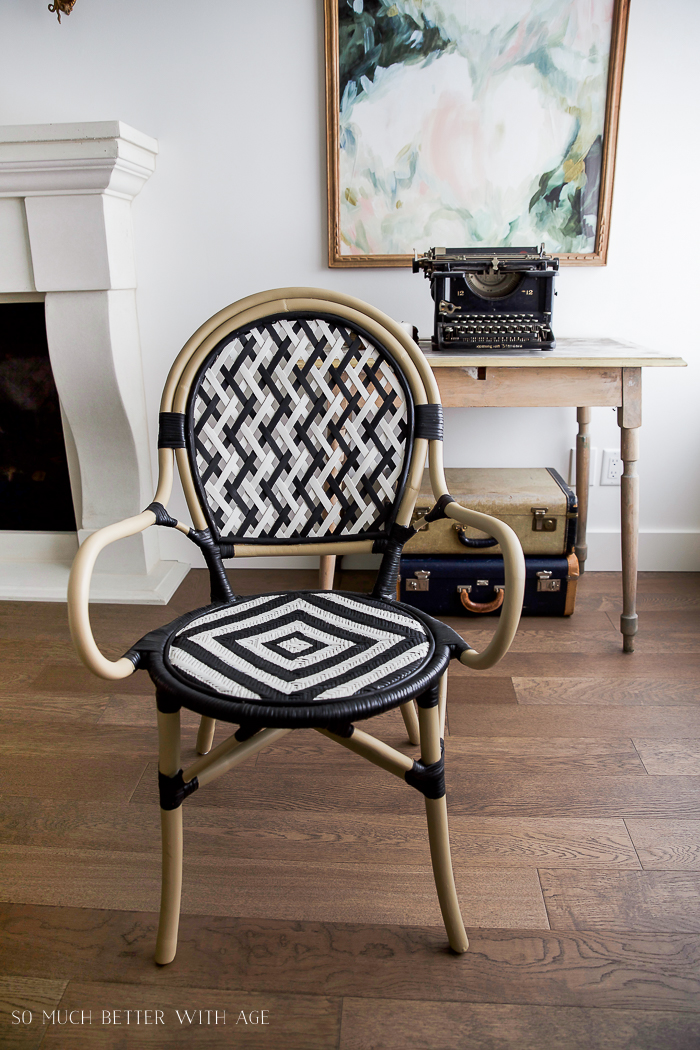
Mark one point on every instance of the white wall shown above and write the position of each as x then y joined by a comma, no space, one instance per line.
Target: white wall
234,93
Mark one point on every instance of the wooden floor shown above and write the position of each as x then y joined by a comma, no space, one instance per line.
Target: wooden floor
573,778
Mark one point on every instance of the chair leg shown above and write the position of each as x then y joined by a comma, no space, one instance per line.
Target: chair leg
171,832
438,834
442,704
410,720
171,885
326,572
205,735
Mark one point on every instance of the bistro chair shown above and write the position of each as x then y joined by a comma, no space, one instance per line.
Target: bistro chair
300,420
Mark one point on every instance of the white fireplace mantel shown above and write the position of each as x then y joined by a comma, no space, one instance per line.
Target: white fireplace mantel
66,235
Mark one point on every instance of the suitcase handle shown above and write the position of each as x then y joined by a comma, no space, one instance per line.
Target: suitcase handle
461,531
482,607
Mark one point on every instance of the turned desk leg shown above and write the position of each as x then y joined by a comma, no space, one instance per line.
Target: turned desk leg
326,572
583,470
629,418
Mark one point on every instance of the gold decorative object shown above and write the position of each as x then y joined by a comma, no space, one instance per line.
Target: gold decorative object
66,6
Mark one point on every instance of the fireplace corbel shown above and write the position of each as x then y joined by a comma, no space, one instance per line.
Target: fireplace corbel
65,225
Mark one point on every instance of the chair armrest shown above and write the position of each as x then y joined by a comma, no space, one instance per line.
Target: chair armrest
79,595
514,565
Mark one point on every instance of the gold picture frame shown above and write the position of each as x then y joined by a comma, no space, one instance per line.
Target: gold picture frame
346,254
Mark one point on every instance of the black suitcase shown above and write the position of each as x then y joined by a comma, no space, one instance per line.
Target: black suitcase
472,585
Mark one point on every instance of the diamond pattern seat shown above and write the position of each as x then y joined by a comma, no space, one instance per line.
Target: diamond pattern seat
300,421
301,658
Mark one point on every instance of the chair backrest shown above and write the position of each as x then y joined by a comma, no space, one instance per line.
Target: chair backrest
298,417
300,420
300,428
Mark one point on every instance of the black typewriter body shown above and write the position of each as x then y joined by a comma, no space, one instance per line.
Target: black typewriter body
491,298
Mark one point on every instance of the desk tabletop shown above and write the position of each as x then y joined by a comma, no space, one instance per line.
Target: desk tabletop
569,353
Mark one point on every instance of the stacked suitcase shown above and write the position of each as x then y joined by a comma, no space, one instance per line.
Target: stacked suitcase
448,570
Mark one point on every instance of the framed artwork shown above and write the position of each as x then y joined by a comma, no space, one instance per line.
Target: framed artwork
462,123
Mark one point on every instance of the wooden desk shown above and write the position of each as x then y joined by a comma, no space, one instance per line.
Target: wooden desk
581,373
585,373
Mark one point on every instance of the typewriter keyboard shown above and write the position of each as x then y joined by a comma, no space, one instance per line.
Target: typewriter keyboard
517,330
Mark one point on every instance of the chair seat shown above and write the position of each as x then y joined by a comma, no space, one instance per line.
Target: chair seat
345,655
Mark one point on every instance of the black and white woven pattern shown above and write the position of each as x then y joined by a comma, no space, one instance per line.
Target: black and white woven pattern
300,430
300,647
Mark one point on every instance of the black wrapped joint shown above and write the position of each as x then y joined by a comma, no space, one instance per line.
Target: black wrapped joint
171,430
245,732
162,516
173,790
220,587
438,510
343,729
429,779
429,422
402,533
391,548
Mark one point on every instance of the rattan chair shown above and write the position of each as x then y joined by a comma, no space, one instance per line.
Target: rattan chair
300,421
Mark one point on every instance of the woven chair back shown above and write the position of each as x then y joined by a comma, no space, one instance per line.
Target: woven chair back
299,428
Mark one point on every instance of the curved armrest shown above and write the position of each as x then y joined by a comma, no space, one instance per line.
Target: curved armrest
79,595
514,564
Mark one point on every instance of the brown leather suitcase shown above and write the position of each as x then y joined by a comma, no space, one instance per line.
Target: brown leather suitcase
535,501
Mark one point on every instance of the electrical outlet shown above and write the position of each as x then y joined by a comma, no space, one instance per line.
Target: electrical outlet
611,470
593,471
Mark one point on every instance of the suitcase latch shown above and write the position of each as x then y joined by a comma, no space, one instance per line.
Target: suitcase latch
420,512
546,583
540,521
421,581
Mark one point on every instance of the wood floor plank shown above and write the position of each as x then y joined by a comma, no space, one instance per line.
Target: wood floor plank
582,622
511,795
26,997
598,642
396,1024
547,721
56,739
192,1017
139,711
607,692
45,707
645,901
75,777
489,794
588,665
666,845
477,690
604,756
656,591
74,678
669,757
391,839
16,676
538,967
508,898
50,649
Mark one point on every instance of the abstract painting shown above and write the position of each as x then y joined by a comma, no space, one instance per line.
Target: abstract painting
462,123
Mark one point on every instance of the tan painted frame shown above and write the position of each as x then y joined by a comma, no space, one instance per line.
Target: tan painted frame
598,257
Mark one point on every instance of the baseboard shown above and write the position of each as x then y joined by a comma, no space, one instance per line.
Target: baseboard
658,552
48,582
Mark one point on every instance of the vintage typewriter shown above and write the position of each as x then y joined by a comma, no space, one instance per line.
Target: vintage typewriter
490,298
